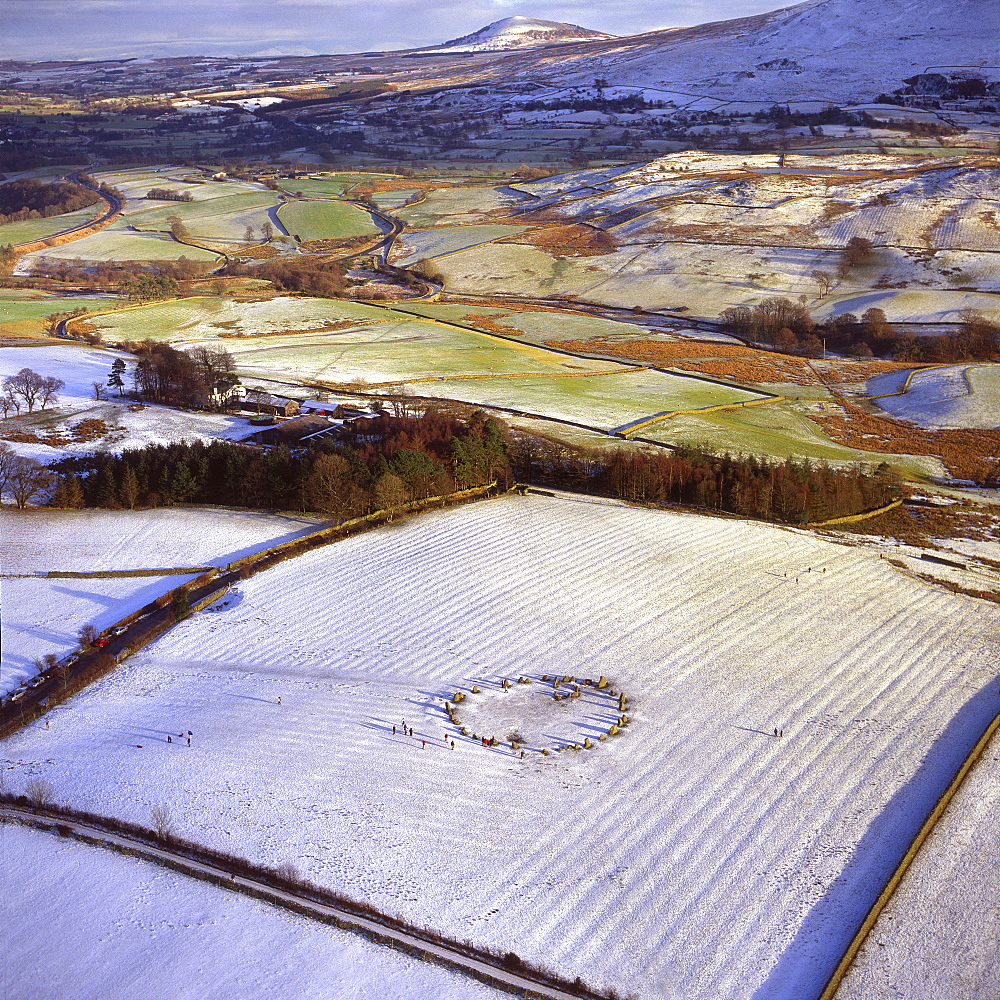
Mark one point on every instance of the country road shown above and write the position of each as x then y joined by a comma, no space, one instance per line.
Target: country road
298,902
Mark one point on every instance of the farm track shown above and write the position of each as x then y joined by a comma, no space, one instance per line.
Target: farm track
379,928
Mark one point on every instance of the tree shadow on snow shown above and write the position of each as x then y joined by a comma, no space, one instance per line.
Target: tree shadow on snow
825,932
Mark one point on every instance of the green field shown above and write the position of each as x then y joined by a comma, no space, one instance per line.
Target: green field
326,220
202,318
38,229
331,186
778,430
190,211
22,317
449,205
118,243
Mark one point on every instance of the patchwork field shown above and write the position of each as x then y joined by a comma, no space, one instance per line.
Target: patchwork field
168,935
702,231
116,243
446,240
695,855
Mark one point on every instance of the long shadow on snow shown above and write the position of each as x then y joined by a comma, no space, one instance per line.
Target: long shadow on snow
826,931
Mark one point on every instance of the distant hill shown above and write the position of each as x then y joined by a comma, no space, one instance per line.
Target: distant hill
518,33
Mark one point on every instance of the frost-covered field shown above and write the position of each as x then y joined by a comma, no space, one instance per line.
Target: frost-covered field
938,936
88,924
702,231
694,856
958,396
44,614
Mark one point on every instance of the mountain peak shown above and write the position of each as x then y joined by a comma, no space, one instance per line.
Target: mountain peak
519,32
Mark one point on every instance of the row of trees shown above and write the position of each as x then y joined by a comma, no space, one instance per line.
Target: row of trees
394,461
32,199
118,275
794,491
323,279
788,326
165,194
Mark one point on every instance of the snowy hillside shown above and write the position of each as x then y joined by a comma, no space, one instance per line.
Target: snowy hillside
834,50
519,32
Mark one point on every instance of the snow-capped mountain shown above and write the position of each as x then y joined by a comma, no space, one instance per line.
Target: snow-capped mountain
519,33
826,50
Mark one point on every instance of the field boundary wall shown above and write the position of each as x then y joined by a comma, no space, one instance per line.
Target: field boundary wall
903,867
854,518
626,429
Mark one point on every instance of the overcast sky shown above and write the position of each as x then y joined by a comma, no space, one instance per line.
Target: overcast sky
88,29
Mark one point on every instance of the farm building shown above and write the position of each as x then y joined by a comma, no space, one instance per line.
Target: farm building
264,402
293,432
339,411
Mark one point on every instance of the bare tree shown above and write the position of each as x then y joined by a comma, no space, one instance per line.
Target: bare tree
858,249
27,384
48,395
7,457
27,480
87,635
39,791
8,402
98,390
163,820
823,281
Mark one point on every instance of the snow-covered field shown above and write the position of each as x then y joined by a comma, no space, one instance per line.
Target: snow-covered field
957,396
696,855
44,614
938,936
36,541
94,925
80,367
